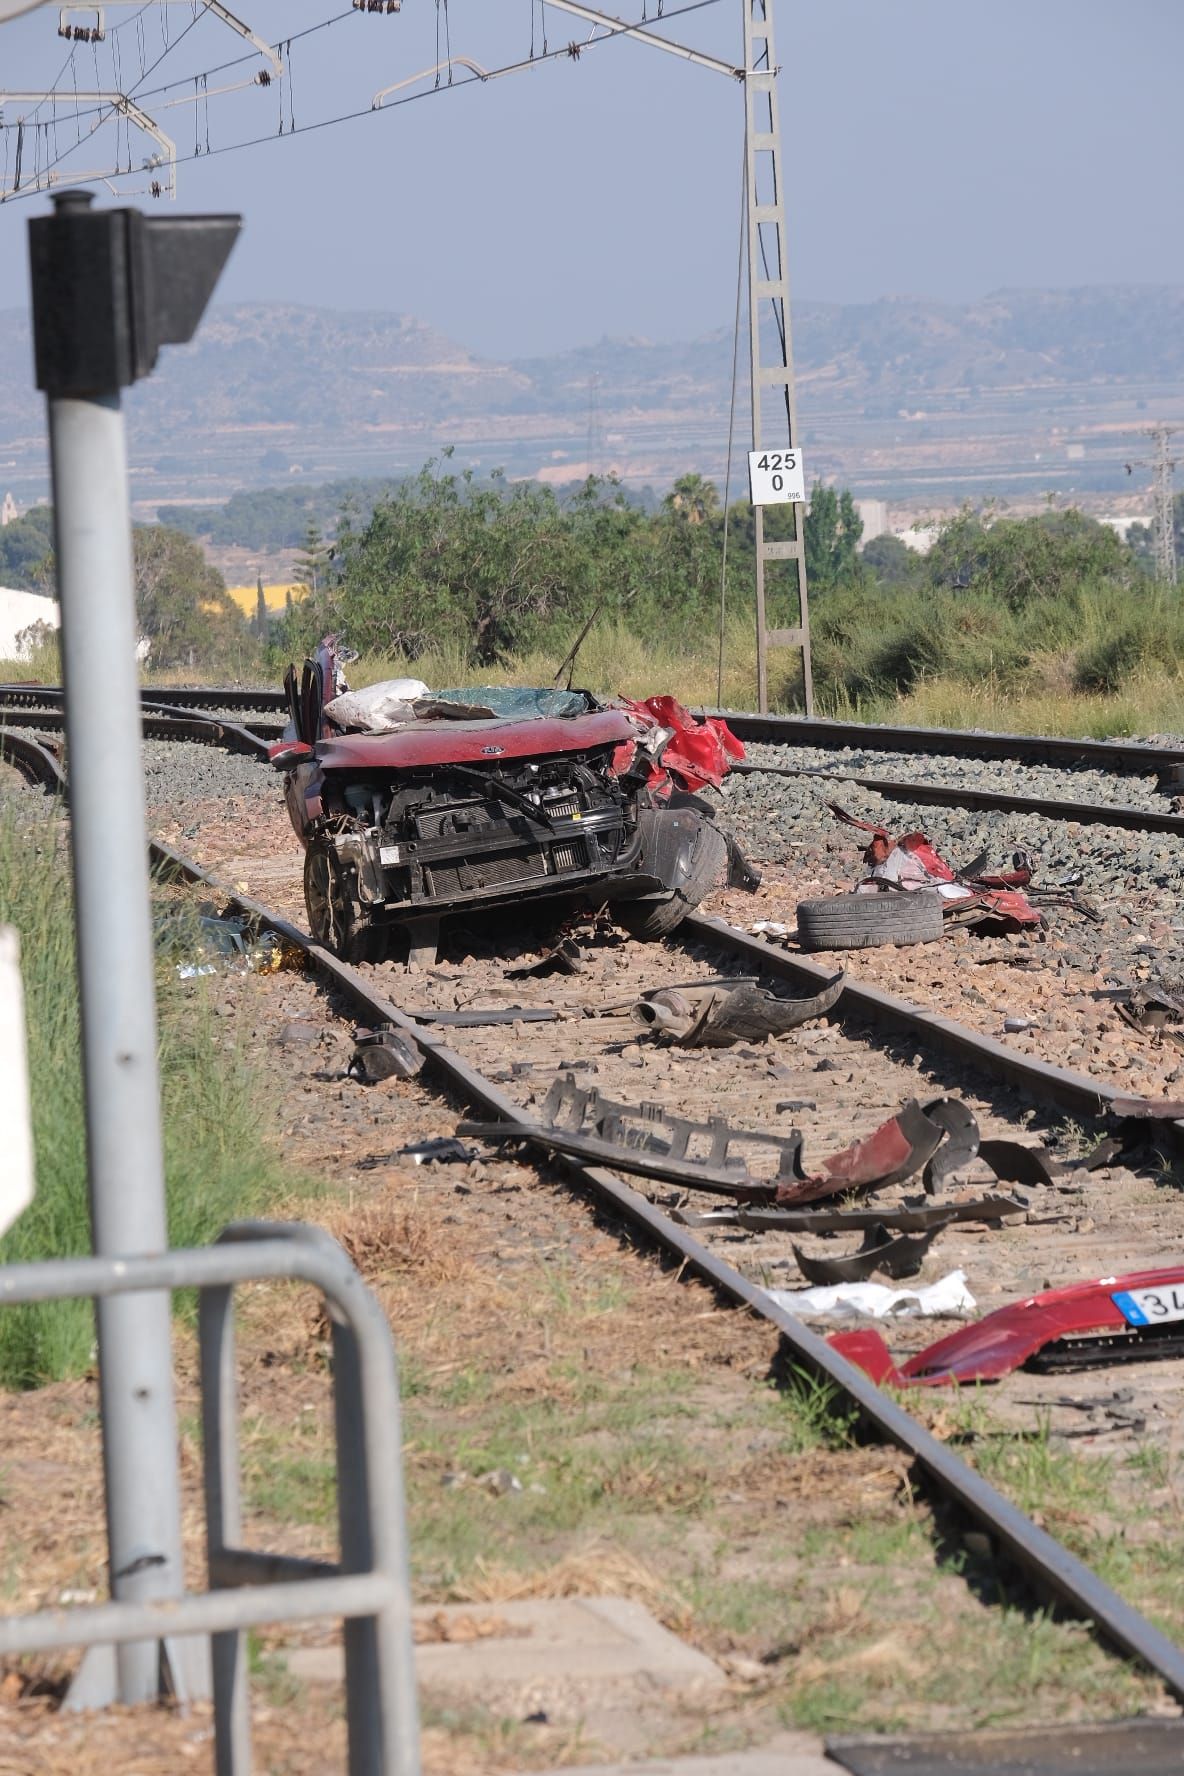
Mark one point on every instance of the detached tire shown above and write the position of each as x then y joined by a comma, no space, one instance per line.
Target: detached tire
861,921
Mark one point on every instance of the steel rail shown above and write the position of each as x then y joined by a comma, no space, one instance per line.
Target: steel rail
1049,749
33,761
1047,1083
180,721
1047,1563
943,795
33,696
778,730
178,725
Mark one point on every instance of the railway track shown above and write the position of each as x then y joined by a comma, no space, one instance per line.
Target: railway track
915,1050
202,716
1124,756
1050,1567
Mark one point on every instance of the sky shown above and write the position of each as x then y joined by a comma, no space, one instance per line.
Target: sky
936,148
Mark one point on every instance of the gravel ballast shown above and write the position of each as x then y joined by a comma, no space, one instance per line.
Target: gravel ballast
1003,776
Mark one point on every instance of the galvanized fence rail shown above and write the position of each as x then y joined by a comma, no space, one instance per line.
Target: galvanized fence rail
368,1587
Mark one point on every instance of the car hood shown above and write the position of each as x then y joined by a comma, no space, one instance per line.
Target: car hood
474,742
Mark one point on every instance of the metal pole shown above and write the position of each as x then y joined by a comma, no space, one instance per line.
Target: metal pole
768,295
108,833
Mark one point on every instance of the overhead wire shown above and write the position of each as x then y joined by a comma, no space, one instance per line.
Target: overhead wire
105,113
613,31
185,80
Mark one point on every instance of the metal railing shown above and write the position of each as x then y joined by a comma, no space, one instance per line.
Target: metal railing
368,1587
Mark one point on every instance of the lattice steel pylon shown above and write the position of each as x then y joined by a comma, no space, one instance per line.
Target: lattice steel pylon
1165,516
1163,523
772,360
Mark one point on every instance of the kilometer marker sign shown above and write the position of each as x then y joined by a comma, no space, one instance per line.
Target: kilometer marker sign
16,1164
776,477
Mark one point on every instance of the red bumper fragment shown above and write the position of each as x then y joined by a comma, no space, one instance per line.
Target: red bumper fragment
1004,1340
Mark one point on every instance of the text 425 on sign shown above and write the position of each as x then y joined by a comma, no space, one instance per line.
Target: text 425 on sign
776,477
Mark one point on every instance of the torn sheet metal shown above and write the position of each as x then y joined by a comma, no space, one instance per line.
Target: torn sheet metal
895,1255
893,1152
654,1142
1111,1319
677,746
1013,1163
384,1054
991,1209
960,1145
565,958
657,1143
717,1013
970,896
437,1150
1153,1012
949,1295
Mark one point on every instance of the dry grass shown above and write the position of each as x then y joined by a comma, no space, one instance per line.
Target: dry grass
598,1570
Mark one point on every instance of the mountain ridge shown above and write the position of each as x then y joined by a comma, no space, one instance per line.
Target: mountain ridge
901,394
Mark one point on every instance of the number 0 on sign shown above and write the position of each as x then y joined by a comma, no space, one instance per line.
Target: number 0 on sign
776,477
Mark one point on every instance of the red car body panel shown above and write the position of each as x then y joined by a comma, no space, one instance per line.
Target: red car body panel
1004,1340
474,742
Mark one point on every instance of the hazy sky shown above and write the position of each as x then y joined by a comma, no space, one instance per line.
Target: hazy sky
934,147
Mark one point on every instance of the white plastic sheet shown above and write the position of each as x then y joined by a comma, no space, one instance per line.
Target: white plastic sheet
378,707
876,1301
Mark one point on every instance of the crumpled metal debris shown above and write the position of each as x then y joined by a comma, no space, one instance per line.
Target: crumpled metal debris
437,1150
717,1013
896,1255
909,1218
656,1142
384,1054
565,958
970,896
693,750
1153,1011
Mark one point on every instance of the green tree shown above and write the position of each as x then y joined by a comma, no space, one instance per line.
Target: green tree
891,562
1017,560
693,498
312,563
182,607
832,531
26,552
261,623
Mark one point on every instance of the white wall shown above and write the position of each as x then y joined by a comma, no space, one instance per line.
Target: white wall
17,611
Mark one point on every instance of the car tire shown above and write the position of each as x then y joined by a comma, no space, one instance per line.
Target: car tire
332,916
862,921
655,917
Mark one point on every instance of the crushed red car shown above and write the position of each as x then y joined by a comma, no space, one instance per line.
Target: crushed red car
415,807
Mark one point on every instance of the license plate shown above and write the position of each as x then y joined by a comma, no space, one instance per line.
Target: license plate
1151,1307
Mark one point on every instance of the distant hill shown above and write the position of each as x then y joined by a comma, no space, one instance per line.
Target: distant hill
1021,390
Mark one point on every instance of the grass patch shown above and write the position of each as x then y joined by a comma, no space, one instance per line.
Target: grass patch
218,1159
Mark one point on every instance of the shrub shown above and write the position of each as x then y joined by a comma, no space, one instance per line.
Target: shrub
218,1161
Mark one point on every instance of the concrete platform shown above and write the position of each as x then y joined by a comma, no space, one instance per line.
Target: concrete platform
586,1641
790,1754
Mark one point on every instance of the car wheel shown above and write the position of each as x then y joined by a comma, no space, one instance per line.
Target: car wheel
331,915
655,917
861,921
